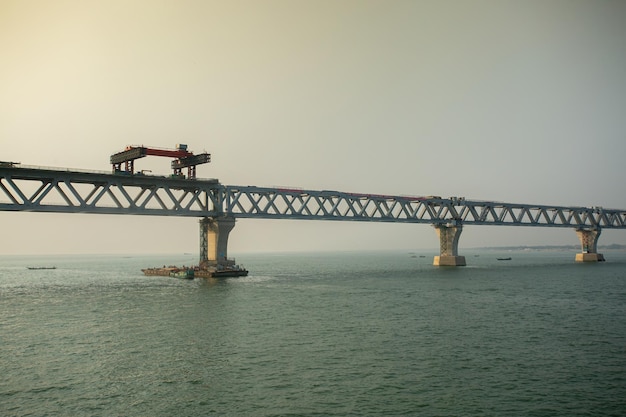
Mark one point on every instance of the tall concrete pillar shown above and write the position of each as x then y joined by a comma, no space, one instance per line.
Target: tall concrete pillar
214,240
449,246
589,243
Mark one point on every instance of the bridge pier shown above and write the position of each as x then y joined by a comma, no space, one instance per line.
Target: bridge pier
589,243
214,233
449,245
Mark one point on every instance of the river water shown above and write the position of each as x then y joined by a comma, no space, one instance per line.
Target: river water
341,334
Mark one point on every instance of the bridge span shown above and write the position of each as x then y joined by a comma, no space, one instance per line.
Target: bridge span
35,189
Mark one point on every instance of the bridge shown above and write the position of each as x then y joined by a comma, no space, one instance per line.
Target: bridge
36,189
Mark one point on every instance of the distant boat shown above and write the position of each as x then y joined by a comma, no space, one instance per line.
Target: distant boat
504,259
41,267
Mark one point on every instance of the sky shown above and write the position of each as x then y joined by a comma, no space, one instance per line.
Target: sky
513,101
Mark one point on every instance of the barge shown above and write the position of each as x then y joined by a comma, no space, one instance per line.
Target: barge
170,271
221,272
197,272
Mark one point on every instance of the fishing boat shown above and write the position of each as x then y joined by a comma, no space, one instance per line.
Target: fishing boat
504,259
41,267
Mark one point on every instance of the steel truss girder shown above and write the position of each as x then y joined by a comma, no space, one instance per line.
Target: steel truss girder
23,189
277,203
47,190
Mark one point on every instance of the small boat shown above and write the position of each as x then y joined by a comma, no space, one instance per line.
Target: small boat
504,259
183,273
41,267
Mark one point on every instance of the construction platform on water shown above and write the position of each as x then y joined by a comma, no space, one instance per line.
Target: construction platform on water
184,272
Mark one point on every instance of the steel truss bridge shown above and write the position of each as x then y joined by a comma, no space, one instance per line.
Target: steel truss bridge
34,189
71,191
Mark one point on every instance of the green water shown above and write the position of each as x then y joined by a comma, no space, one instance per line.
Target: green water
362,334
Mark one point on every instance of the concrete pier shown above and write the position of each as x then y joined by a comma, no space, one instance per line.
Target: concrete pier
214,233
589,245
449,246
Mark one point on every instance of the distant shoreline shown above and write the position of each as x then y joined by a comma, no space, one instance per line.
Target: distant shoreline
613,246
413,251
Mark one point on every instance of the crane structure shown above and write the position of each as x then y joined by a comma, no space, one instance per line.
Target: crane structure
182,159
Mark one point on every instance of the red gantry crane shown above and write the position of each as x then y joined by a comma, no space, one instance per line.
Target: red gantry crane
182,159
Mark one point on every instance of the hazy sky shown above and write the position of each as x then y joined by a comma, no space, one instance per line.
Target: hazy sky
516,101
